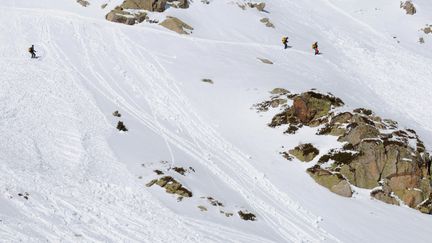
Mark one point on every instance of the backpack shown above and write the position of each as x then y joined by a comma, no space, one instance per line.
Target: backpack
314,45
284,39
30,49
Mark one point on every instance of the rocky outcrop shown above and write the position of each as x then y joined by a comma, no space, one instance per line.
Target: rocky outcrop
305,152
246,215
175,24
149,5
409,7
310,109
171,186
375,155
121,127
335,182
118,15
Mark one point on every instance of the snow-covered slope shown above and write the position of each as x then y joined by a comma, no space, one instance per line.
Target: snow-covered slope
86,181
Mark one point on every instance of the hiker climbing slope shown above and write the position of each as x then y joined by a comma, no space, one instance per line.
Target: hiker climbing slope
315,47
32,51
285,42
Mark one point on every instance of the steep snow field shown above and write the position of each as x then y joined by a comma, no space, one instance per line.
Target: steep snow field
86,181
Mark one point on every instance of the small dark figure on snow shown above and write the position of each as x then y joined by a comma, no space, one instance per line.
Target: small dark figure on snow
315,47
285,42
32,51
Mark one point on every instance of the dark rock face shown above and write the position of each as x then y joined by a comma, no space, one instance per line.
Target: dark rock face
121,126
247,216
376,154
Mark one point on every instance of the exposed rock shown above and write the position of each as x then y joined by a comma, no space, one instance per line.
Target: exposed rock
171,186
264,60
202,208
119,16
116,113
376,152
175,24
332,181
149,5
426,206
305,152
179,3
246,215
206,80
259,6
103,6
83,3
409,7
384,197
279,91
121,126
267,22
310,108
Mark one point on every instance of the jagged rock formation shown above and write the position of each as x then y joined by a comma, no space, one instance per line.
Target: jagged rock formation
376,154
409,7
175,24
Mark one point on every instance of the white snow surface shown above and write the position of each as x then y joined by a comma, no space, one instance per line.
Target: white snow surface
86,181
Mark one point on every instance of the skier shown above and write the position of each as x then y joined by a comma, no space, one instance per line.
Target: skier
315,47
32,51
285,42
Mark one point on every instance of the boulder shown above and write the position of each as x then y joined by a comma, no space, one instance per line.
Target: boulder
149,5
171,186
332,181
384,197
175,24
409,7
120,16
247,216
305,152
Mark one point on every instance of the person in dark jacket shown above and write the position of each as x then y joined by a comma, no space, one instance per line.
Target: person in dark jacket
32,51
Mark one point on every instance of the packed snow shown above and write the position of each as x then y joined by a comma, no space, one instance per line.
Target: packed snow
85,180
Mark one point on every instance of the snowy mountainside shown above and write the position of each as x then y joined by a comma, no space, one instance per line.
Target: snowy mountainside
87,182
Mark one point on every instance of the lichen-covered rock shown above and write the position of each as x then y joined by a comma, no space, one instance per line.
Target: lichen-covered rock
375,153
175,24
409,7
332,181
384,197
305,152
